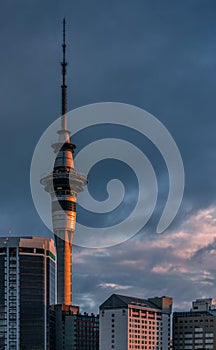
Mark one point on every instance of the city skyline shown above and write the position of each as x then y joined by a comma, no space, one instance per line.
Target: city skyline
158,57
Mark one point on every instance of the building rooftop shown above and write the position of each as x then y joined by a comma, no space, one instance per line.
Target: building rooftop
122,301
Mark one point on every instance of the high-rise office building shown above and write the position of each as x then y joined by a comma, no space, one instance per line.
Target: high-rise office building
133,323
195,329
27,288
63,184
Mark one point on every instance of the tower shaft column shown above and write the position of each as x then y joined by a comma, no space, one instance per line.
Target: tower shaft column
64,271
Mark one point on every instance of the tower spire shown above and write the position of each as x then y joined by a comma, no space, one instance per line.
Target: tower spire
64,86
64,183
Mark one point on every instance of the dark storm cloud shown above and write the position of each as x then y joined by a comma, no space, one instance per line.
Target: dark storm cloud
159,56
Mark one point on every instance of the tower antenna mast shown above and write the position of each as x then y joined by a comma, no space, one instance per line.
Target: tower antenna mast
64,86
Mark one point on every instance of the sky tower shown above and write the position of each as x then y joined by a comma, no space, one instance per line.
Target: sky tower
63,184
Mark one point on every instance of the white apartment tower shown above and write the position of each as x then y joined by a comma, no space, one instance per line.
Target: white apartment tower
128,323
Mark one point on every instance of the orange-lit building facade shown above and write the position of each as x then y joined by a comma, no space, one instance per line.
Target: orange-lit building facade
132,323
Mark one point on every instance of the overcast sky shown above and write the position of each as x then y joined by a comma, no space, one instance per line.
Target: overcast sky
157,55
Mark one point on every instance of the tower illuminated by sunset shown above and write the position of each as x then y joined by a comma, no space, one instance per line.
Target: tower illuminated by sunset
63,184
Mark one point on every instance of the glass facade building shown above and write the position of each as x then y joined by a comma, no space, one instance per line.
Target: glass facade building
27,288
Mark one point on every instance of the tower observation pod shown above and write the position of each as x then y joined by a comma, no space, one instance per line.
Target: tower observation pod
63,184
